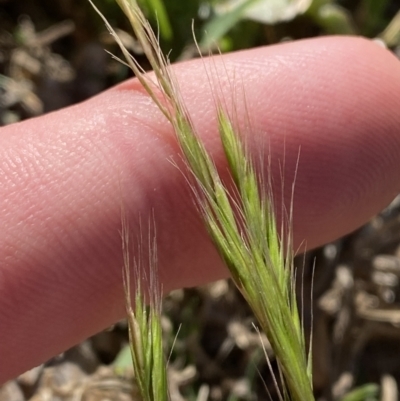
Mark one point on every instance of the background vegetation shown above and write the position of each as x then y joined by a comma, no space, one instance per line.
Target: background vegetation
52,55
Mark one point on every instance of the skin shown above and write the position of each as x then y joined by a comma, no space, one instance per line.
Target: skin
65,176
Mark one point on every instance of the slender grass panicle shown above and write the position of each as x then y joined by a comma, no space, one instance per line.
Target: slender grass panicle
241,222
144,322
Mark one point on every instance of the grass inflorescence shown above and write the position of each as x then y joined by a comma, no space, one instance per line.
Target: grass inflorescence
144,322
241,223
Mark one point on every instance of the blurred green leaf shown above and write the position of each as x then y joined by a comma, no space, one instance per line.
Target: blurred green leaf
367,392
332,18
371,16
181,14
157,10
221,24
391,35
123,361
230,12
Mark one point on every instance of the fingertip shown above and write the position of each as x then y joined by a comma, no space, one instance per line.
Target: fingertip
333,99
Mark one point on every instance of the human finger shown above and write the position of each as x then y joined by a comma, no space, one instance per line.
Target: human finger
65,177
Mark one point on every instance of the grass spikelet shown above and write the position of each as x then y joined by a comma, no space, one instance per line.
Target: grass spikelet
241,222
145,333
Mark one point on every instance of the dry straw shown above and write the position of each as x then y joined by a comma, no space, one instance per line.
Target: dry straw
241,224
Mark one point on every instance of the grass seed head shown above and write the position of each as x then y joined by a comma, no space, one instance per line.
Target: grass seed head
241,224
